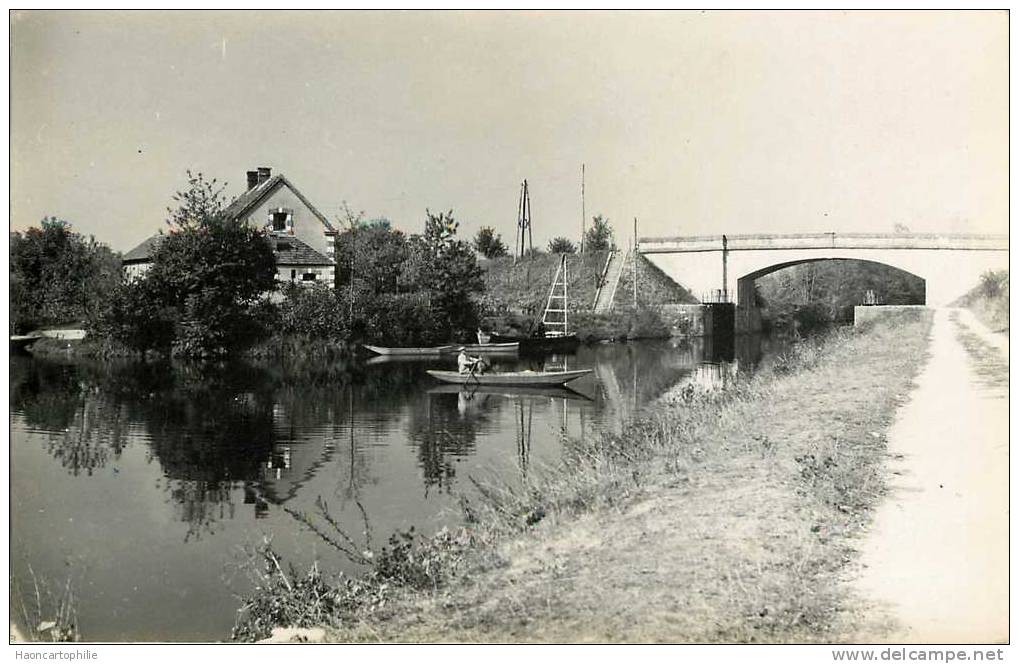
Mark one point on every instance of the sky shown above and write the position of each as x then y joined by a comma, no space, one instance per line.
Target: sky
692,122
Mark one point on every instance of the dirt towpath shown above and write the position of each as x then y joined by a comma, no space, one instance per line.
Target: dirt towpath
935,562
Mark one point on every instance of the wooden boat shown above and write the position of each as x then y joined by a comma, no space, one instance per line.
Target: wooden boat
432,350
20,342
510,348
510,378
513,391
492,348
560,342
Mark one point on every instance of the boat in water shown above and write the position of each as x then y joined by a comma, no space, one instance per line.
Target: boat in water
509,378
509,348
410,352
560,342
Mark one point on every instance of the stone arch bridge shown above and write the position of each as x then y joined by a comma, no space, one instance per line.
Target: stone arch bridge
723,268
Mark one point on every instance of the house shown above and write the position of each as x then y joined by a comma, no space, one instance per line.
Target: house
302,238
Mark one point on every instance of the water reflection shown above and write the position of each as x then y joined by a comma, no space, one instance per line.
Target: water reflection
177,466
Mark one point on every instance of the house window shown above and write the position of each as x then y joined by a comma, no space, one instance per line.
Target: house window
308,276
281,219
293,275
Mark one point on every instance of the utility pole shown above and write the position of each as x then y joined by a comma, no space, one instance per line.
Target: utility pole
635,262
523,222
583,210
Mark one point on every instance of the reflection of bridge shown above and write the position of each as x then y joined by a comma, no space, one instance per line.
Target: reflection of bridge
716,267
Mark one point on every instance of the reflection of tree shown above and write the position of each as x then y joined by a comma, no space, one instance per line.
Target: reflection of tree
201,505
442,434
86,427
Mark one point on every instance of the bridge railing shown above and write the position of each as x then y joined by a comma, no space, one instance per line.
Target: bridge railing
832,240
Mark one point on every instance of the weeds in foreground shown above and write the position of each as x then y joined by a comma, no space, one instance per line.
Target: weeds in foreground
47,614
282,596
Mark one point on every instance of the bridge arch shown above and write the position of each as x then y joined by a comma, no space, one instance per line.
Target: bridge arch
748,313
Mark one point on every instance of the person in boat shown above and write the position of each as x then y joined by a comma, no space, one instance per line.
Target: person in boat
467,364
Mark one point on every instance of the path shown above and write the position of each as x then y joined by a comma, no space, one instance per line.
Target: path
936,559
607,293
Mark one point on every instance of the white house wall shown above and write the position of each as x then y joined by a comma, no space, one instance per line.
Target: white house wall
307,227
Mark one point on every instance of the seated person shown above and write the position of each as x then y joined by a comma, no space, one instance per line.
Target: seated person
465,363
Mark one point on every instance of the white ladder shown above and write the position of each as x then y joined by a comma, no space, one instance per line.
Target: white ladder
556,324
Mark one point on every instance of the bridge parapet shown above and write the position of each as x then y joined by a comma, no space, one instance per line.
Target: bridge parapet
758,242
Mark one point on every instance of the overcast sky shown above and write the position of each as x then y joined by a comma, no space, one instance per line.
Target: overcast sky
694,122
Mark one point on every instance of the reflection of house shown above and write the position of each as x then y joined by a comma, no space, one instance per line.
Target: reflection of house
301,236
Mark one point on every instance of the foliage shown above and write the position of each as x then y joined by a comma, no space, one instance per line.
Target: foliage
403,319
57,275
561,245
600,236
201,201
989,299
207,274
812,295
316,312
374,259
451,274
408,289
489,244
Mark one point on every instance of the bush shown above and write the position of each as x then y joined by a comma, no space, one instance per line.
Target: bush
561,245
317,312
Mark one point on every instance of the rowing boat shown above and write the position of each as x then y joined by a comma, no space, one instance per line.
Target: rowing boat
432,350
510,347
509,378
561,342
452,349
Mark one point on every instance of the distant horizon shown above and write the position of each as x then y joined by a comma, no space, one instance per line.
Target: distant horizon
696,123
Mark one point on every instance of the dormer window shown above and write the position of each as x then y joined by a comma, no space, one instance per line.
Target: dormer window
281,220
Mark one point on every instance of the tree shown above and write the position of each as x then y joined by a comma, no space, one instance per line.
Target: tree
207,274
451,272
488,244
561,245
57,275
599,237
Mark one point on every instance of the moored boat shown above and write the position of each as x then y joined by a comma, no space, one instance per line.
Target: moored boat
560,342
490,348
430,350
509,378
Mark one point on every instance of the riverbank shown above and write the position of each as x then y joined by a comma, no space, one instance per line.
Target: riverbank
718,517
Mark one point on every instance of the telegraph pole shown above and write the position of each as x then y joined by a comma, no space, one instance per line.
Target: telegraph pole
523,222
635,262
583,210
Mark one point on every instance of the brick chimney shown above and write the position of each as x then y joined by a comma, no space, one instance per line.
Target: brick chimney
264,173
252,179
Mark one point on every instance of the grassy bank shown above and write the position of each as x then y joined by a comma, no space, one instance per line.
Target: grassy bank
989,300
717,517
524,285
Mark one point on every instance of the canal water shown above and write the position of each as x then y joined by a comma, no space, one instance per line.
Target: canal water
146,485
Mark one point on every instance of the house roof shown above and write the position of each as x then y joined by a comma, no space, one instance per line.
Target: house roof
143,252
288,250
239,208
253,197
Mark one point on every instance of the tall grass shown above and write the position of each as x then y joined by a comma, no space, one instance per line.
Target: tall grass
47,612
